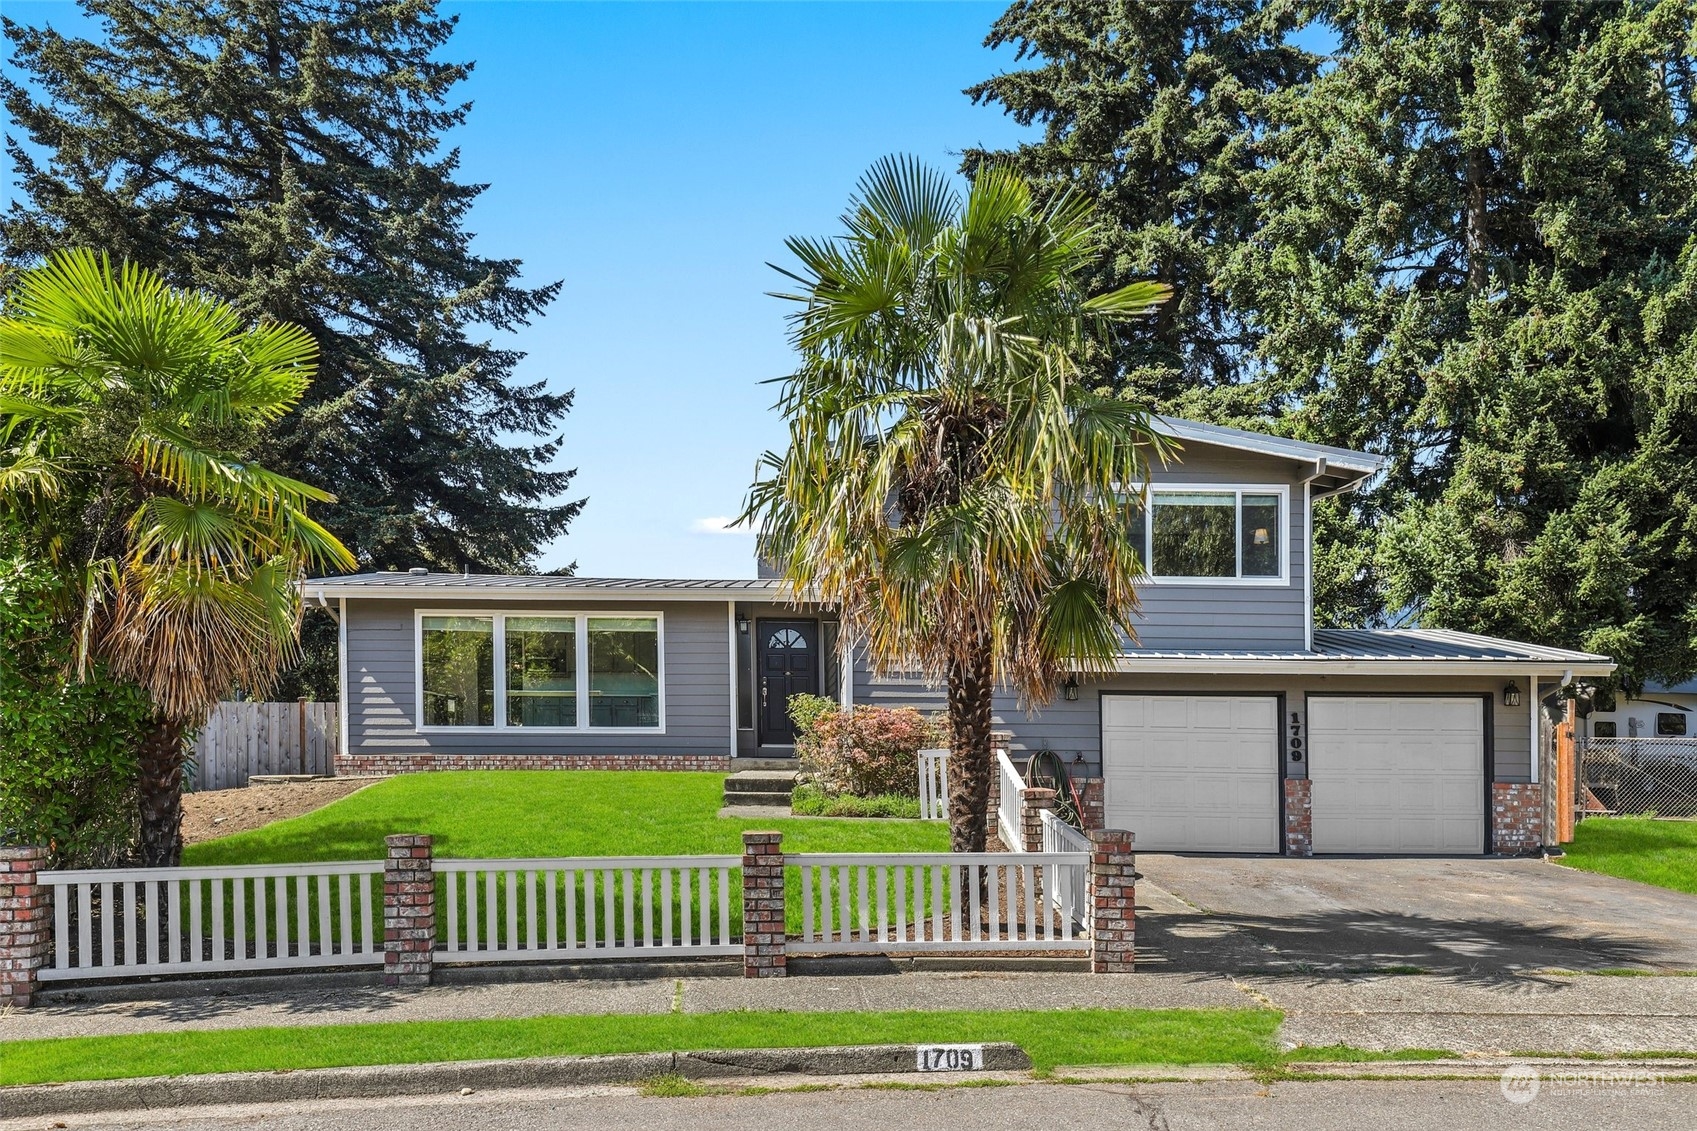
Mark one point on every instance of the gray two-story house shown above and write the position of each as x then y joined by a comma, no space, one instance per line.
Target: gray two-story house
1232,725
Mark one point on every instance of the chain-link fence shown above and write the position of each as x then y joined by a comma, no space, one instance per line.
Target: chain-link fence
1638,777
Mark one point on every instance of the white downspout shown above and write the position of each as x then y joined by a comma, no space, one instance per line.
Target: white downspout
1308,553
1535,751
731,631
845,665
342,676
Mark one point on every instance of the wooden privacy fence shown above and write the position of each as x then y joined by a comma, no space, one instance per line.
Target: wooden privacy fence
243,739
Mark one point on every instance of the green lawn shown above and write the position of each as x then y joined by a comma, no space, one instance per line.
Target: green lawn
1058,1037
517,813
507,814
1663,853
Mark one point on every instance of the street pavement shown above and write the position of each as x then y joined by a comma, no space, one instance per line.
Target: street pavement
1241,1105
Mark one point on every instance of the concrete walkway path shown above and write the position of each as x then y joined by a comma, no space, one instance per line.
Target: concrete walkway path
1558,1014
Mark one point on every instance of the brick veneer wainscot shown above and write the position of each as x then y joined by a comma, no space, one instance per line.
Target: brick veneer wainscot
368,765
1113,902
25,909
409,910
1517,818
1299,817
763,932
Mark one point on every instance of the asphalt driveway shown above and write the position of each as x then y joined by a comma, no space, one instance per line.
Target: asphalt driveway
1479,916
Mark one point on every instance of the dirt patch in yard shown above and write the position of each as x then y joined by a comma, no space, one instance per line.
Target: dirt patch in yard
220,812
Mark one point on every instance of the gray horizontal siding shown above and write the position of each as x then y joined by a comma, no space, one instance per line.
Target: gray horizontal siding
1261,617
1075,728
382,679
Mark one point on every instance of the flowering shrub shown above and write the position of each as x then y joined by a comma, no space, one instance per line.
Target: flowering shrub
864,752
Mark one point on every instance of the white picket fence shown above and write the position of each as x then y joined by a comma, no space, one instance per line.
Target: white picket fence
1010,820
143,921
588,907
243,739
953,902
934,785
1067,887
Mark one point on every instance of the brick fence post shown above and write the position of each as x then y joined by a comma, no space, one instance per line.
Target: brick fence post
25,910
1113,902
1033,803
763,932
409,910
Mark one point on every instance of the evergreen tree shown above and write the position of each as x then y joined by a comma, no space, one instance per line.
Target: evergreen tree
286,157
1152,111
1472,249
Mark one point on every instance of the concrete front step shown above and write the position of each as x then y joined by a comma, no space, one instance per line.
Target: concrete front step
740,764
766,791
761,781
764,800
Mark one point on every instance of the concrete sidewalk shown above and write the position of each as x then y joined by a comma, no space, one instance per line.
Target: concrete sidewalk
1560,1014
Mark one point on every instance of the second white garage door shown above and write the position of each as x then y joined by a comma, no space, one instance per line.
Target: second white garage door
1397,774
1192,772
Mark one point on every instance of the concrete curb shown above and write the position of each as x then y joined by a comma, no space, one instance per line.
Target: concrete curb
378,1081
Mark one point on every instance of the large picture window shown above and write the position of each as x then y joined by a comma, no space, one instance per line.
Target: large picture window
1208,534
624,672
541,671
458,660
566,671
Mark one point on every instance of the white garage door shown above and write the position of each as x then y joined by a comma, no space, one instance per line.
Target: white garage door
1192,773
1397,775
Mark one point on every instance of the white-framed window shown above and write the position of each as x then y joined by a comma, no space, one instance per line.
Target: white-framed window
1207,534
600,672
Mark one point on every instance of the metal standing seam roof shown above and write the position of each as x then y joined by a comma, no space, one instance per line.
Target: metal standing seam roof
392,579
387,584
1338,648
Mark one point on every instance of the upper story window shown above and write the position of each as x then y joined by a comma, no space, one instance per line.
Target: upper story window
554,670
1214,534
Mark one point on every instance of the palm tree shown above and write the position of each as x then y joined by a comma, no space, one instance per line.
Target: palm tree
125,406
950,483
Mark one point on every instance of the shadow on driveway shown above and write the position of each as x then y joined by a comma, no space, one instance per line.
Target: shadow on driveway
1475,917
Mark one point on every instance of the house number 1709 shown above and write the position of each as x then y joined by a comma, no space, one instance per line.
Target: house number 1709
950,1058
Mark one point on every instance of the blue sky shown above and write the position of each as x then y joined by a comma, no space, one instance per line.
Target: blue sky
654,157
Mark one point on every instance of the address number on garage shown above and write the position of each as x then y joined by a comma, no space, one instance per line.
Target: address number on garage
950,1058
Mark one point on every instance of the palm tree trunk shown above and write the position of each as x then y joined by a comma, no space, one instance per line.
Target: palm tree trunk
970,689
163,750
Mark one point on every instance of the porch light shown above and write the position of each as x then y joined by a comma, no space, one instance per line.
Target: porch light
742,623
1069,689
1511,695
1262,537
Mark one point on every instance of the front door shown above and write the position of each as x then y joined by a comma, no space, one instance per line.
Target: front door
787,662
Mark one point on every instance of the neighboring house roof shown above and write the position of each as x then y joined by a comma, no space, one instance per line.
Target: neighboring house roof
1336,469
394,584
1356,650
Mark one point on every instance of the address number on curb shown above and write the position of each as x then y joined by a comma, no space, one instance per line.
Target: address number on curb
950,1058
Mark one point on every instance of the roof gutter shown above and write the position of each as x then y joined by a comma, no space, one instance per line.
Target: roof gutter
331,591
1301,665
